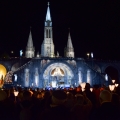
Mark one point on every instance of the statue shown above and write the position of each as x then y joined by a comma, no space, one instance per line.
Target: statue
21,52
57,54
15,75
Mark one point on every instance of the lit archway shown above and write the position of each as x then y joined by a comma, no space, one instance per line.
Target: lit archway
112,73
59,73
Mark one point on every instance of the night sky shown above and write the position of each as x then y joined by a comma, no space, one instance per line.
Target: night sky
94,26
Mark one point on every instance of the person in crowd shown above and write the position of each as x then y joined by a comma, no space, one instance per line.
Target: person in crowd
70,100
90,95
106,111
57,110
116,100
82,107
6,107
24,108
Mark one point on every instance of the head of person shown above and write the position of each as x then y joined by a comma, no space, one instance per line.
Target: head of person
59,97
115,99
26,95
70,95
105,96
3,95
39,95
87,87
79,99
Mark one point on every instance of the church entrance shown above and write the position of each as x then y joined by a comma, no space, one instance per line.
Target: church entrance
57,75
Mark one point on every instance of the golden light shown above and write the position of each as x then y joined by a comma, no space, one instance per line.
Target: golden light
88,55
3,71
31,92
116,85
16,93
111,87
91,89
83,86
113,81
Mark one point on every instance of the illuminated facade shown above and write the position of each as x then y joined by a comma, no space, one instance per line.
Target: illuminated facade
50,70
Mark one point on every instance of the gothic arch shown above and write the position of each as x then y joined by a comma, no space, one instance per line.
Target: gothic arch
68,73
46,33
61,65
49,34
107,65
112,71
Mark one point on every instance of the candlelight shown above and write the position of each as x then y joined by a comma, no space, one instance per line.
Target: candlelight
116,85
16,93
91,89
83,86
113,81
111,87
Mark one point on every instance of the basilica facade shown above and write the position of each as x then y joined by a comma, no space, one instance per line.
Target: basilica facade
49,70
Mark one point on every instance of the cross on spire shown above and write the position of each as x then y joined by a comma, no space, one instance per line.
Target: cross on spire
48,3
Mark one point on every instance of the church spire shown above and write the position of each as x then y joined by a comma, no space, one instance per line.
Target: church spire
69,50
69,43
48,17
30,42
30,50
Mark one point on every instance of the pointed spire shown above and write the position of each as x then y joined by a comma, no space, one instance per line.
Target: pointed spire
30,42
48,17
69,43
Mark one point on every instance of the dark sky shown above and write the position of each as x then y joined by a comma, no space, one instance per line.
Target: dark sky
94,26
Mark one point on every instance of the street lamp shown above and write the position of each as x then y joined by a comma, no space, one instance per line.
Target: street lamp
88,55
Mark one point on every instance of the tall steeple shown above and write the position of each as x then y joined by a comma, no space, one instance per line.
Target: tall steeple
30,50
30,42
69,51
48,17
47,47
69,43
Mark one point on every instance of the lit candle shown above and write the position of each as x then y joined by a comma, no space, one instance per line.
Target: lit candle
83,86
111,87
113,81
91,89
116,85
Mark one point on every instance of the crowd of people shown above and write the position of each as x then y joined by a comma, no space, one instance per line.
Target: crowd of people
60,104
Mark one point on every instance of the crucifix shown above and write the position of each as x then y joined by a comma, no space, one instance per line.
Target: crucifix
48,3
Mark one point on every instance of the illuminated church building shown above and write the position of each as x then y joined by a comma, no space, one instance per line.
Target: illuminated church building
47,69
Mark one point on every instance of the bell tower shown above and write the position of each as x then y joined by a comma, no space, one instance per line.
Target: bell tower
47,48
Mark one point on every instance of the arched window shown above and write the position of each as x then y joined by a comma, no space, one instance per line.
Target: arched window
112,74
49,33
